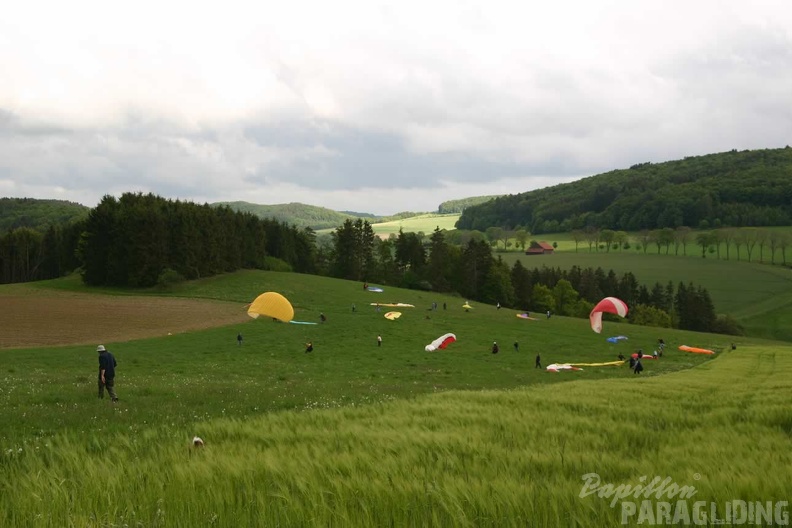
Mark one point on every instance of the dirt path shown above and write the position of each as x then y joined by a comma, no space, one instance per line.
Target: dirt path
31,318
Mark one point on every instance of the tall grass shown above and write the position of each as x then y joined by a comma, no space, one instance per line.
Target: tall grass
459,458
356,435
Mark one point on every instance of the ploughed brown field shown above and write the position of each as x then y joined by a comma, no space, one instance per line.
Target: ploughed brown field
31,318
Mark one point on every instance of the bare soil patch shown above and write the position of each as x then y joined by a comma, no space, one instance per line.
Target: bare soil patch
30,318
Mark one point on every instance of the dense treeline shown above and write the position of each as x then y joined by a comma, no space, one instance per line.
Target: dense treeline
27,254
143,240
131,241
472,271
737,189
38,214
457,206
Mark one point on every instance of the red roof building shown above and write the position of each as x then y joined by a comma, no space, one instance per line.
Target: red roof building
540,248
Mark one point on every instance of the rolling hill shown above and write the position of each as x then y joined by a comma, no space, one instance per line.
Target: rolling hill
749,188
38,214
298,214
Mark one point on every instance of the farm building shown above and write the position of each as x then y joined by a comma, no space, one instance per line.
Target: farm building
539,248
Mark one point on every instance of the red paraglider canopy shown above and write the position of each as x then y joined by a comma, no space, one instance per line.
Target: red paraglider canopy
609,305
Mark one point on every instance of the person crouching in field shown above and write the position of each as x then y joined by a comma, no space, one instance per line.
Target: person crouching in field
107,365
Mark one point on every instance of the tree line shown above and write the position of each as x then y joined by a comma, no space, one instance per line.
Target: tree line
471,270
142,240
747,243
736,189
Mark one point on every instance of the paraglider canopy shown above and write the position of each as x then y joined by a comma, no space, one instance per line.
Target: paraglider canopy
441,342
272,304
616,339
557,367
392,315
609,305
696,350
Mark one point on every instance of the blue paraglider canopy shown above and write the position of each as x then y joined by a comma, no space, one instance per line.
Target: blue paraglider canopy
616,339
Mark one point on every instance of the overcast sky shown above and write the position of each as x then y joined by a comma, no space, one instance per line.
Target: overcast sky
377,106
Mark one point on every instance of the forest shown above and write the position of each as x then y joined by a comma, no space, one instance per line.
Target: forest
38,214
735,189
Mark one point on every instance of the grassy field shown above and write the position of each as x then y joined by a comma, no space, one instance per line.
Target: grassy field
203,375
356,435
757,295
426,223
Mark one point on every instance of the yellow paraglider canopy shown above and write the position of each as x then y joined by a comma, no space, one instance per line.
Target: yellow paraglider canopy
272,304
392,315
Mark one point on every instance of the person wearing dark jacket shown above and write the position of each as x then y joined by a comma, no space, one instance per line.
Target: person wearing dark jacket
107,365
638,368
495,348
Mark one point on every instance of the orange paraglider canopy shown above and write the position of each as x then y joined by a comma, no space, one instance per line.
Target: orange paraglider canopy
685,348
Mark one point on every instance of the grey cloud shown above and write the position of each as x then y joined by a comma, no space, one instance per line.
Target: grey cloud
356,158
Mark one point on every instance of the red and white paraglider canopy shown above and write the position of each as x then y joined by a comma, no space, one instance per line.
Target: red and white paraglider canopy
609,305
441,342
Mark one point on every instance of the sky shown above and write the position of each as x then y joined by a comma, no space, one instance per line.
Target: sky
377,107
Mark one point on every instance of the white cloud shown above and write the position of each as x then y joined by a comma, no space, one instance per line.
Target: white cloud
310,101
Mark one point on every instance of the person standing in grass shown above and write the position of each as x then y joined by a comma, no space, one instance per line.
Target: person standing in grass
239,339
495,348
638,367
379,340
107,365
516,346
308,347
538,361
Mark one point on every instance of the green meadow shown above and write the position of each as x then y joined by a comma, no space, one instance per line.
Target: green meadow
359,435
425,223
758,295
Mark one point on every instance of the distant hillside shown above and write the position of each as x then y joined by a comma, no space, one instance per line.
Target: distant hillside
298,214
38,214
302,215
358,215
749,188
457,206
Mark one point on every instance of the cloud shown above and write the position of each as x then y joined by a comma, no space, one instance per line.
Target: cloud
327,103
